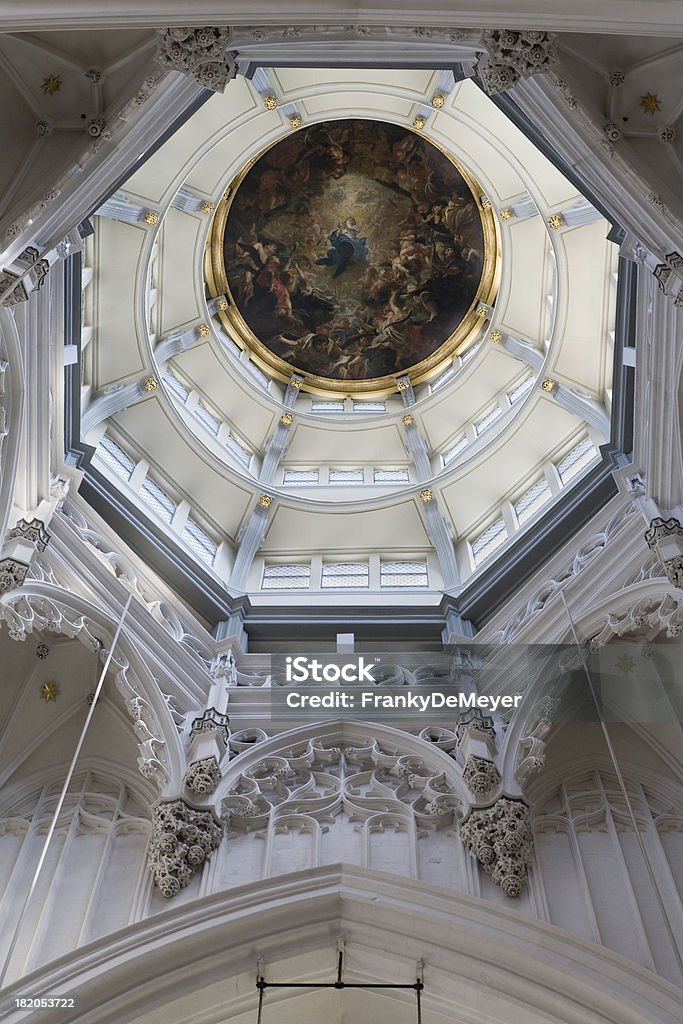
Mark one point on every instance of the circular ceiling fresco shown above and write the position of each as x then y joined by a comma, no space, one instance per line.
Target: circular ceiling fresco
352,251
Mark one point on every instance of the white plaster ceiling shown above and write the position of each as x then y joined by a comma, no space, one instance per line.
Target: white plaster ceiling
38,737
33,162
557,292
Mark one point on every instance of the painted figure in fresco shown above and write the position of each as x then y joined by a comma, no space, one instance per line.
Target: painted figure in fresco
375,303
346,247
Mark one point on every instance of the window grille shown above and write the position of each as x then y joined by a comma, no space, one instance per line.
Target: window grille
199,542
454,451
391,476
442,379
346,575
467,355
259,375
238,450
576,460
115,457
327,407
369,407
533,499
301,476
176,386
488,541
488,420
157,499
522,389
207,419
230,344
286,577
346,476
403,574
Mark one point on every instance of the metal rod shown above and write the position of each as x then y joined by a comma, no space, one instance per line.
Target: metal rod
622,786
415,987
418,990
62,795
261,986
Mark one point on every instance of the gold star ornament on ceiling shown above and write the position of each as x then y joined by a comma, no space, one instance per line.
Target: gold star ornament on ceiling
626,664
650,103
49,692
51,85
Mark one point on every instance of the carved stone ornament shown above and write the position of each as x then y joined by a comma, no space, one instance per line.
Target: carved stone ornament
211,720
480,775
673,567
514,55
201,53
660,531
363,783
18,293
12,574
501,840
34,532
474,719
203,776
182,839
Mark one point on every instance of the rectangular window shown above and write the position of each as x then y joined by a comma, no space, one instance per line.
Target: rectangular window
157,499
199,542
469,353
346,476
207,419
403,574
488,541
230,344
490,418
300,476
286,577
532,500
576,460
391,476
258,374
369,407
454,451
238,450
327,406
442,379
346,575
115,457
522,389
176,386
